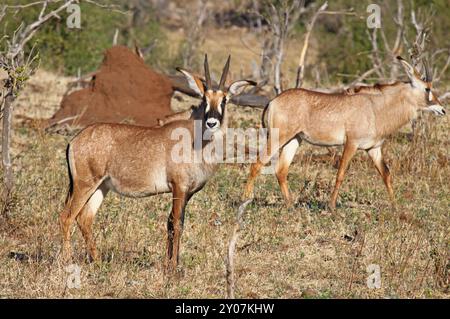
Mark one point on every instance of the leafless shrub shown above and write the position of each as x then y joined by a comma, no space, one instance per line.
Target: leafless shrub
281,19
301,63
18,64
193,23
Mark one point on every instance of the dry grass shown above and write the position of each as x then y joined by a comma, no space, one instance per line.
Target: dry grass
282,253
302,252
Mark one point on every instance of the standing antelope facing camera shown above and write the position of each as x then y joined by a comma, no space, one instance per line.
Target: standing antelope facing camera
137,161
356,121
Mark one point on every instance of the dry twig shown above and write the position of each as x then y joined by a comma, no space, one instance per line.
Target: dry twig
231,250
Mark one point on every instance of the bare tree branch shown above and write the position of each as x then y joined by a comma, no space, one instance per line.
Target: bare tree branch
360,78
399,21
31,29
444,68
281,20
44,7
400,27
23,6
375,54
115,37
301,62
194,33
19,68
2,12
111,7
444,96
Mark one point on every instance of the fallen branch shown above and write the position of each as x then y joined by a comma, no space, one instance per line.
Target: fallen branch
251,100
180,84
444,96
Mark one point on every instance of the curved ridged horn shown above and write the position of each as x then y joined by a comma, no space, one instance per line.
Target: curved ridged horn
223,78
207,74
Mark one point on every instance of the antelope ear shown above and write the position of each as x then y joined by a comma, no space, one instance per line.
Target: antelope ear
194,82
237,87
411,71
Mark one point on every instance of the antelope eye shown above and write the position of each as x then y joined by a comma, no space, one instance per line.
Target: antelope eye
427,90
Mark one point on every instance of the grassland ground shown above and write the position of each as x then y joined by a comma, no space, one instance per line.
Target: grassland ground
301,252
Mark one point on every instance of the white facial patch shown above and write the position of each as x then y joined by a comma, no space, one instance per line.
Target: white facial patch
436,109
430,96
208,106
219,107
212,124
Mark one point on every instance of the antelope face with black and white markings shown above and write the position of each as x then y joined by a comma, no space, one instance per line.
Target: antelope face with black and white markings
424,86
214,98
215,103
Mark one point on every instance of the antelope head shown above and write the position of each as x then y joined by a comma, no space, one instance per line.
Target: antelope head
214,99
423,86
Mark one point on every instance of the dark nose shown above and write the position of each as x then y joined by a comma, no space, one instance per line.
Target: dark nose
443,111
211,124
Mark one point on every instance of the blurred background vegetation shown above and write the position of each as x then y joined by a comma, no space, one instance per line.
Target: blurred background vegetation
340,46
66,50
345,45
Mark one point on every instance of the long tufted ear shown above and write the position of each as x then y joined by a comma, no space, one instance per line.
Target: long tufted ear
412,73
237,87
194,82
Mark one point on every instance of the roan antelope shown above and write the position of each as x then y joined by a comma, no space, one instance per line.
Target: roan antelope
137,161
356,121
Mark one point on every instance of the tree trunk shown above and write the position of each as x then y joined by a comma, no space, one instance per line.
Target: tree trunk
8,178
279,61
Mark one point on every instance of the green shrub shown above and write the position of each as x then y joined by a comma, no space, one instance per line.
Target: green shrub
66,50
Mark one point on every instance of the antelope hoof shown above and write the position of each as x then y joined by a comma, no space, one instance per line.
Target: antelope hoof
394,205
332,206
93,257
176,273
289,203
170,268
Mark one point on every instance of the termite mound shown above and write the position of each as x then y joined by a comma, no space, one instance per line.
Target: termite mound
123,90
